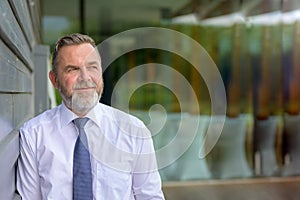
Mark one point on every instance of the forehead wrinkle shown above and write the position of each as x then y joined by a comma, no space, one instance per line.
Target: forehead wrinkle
82,51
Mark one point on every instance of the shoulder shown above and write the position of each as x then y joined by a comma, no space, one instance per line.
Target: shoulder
42,119
122,122
120,117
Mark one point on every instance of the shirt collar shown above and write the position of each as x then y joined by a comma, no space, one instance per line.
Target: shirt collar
67,116
93,116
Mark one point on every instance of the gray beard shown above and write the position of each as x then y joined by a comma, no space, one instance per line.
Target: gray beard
82,103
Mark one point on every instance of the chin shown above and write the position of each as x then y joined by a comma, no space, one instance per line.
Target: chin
82,104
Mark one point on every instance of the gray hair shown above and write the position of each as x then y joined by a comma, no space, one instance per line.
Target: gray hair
67,40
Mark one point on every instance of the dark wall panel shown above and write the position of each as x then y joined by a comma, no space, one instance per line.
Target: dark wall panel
18,39
11,32
6,115
14,76
35,13
9,151
21,10
22,112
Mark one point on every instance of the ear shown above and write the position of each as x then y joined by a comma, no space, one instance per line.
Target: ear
53,79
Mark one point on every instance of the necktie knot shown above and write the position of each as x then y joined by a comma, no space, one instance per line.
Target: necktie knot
80,122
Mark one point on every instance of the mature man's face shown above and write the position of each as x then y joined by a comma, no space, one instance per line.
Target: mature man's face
79,77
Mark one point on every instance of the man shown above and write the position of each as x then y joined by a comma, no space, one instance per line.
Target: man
54,162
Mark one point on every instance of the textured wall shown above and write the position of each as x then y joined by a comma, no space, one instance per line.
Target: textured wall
19,36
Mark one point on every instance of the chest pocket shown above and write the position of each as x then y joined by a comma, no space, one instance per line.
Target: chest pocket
113,183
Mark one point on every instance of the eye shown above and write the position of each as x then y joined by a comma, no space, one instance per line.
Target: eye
93,67
71,69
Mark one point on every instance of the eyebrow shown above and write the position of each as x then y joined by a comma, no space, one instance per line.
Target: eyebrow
70,66
93,62
76,67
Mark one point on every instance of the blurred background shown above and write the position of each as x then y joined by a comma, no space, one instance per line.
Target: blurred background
255,45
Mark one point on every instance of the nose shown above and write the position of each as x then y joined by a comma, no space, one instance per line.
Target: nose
84,74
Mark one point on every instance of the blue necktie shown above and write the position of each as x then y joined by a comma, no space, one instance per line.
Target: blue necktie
82,175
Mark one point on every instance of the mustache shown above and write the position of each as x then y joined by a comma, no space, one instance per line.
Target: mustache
84,84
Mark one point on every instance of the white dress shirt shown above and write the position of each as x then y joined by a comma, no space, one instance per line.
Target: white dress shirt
122,156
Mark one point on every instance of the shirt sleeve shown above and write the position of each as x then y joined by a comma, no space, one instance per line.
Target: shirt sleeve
147,186
28,183
146,178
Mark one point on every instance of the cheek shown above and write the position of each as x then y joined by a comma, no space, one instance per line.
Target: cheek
96,77
99,82
68,83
